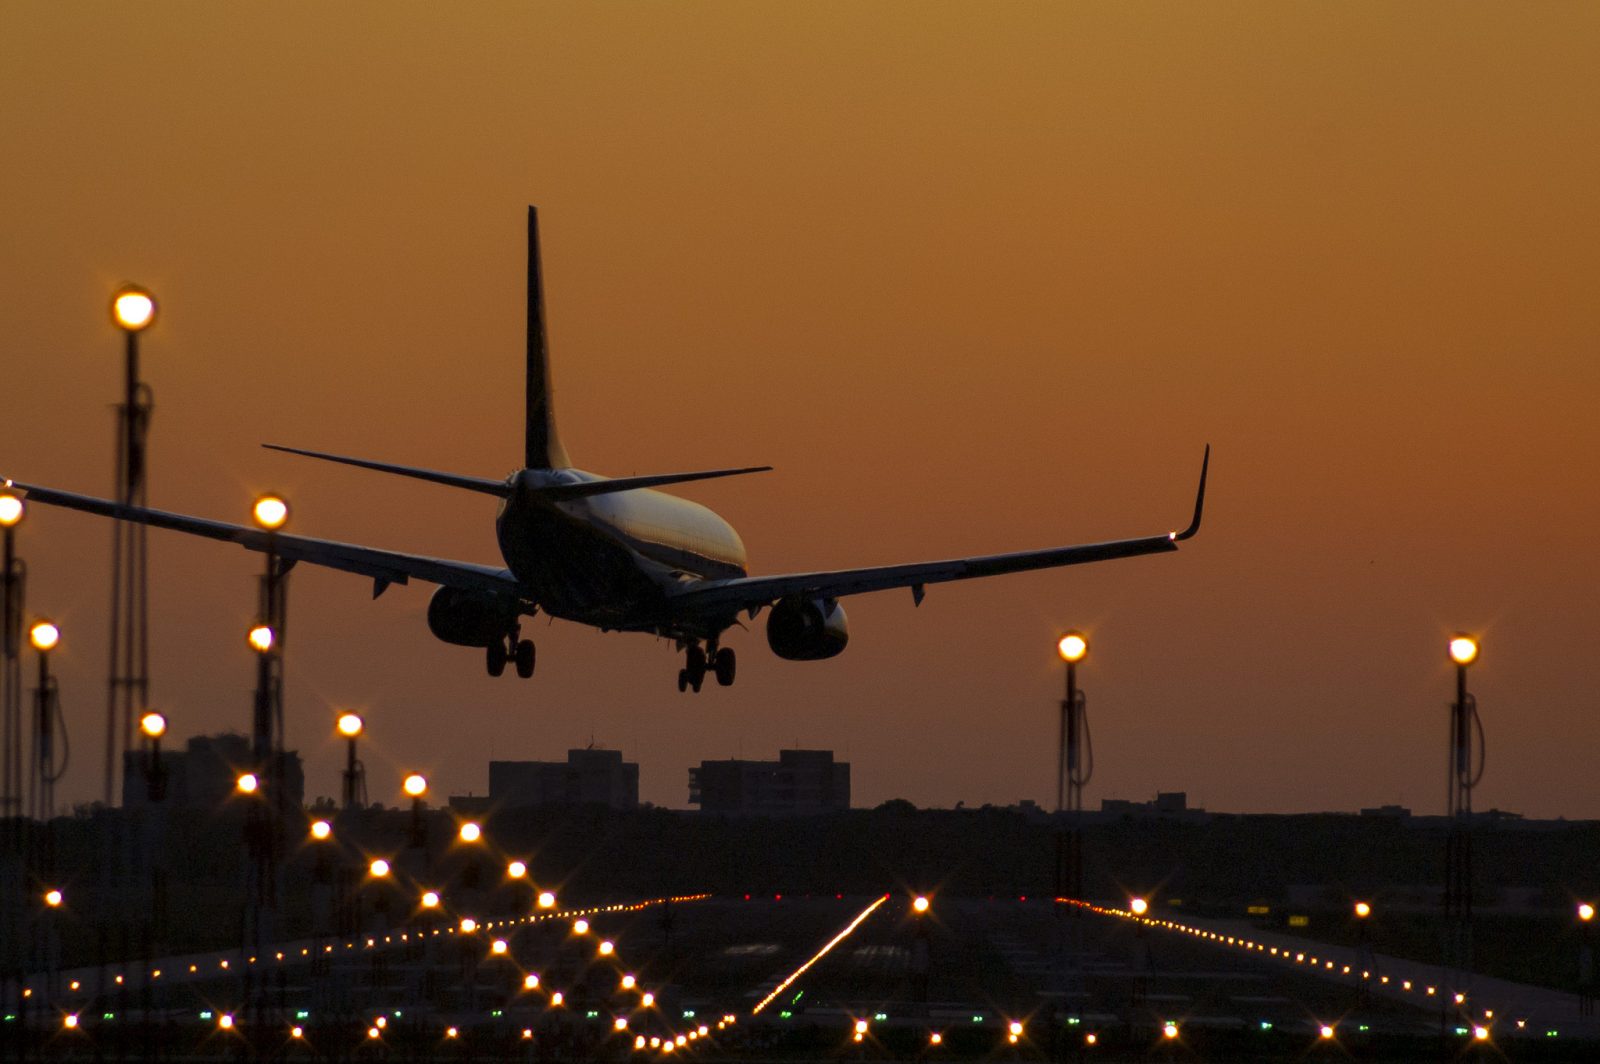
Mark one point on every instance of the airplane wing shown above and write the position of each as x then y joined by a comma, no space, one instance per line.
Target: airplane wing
383,566
751,593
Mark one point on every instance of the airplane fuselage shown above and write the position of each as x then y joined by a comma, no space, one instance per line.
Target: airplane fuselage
610,560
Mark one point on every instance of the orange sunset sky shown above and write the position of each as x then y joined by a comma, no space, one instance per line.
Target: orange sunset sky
973,277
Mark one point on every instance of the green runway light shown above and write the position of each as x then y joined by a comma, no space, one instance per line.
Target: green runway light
591,1014
1073,1021
304,1015
688,1014
205,1015
785,1014
497,1012
1265,1026
108,1015
880,1016
977,1019
1363,1027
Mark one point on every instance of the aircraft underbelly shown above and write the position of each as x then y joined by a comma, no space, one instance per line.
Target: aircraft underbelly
577,572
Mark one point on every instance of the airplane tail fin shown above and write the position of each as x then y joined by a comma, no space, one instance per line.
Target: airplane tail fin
541,446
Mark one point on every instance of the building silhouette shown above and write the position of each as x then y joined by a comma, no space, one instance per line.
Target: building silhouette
799,782
586,777
204,773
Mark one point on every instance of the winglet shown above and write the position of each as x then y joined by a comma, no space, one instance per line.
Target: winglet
1199,501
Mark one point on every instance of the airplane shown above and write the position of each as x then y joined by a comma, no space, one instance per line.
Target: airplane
611,553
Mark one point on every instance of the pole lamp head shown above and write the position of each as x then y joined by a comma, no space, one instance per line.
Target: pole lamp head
1072,647
416,785
261,638
44,635
153,725
11,509
1585,912
1138,906
1463,649
1363,910
350,725
270,512
133,308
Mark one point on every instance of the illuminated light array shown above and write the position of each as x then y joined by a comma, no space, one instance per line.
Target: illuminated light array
1284,953
823,952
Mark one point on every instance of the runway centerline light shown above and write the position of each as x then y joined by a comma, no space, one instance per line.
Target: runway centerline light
270,512
153,725
1463,649
1072,647
350,725
44,635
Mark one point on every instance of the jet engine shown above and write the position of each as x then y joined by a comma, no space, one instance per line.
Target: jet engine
469,618
803,629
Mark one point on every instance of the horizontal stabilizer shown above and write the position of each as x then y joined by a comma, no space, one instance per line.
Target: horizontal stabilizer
563,492
454,480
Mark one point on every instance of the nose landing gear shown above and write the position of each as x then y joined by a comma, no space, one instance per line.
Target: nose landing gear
697,662
518,652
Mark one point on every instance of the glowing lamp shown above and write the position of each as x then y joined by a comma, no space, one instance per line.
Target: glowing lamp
1015,1027
606,948
261,638
11,509
53,898
225,1021
1463,650
1586,912
1363,910
133,308
648,999
153,725
920,904
547,899
516,870
379,868
1072,647
1325,1031
321,829
498,947
471,832
1138,906
430,899
44,636
70,1020
247,783
468,925
350,725
628,982
415,785
270,512
1169,1030
530,982
1480,1033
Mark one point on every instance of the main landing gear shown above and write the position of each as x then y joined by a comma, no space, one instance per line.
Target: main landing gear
510,649
697,662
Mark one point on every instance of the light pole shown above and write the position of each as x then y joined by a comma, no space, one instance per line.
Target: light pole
1364,958
1464,776
1072,648
355,784
13,575
133,309
1586,966
45,637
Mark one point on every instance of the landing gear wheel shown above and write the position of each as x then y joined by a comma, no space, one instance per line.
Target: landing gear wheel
724,664
525,659
696,668
495,658
683,680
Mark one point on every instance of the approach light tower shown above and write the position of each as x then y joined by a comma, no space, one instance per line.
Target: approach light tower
133,309
1464,776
